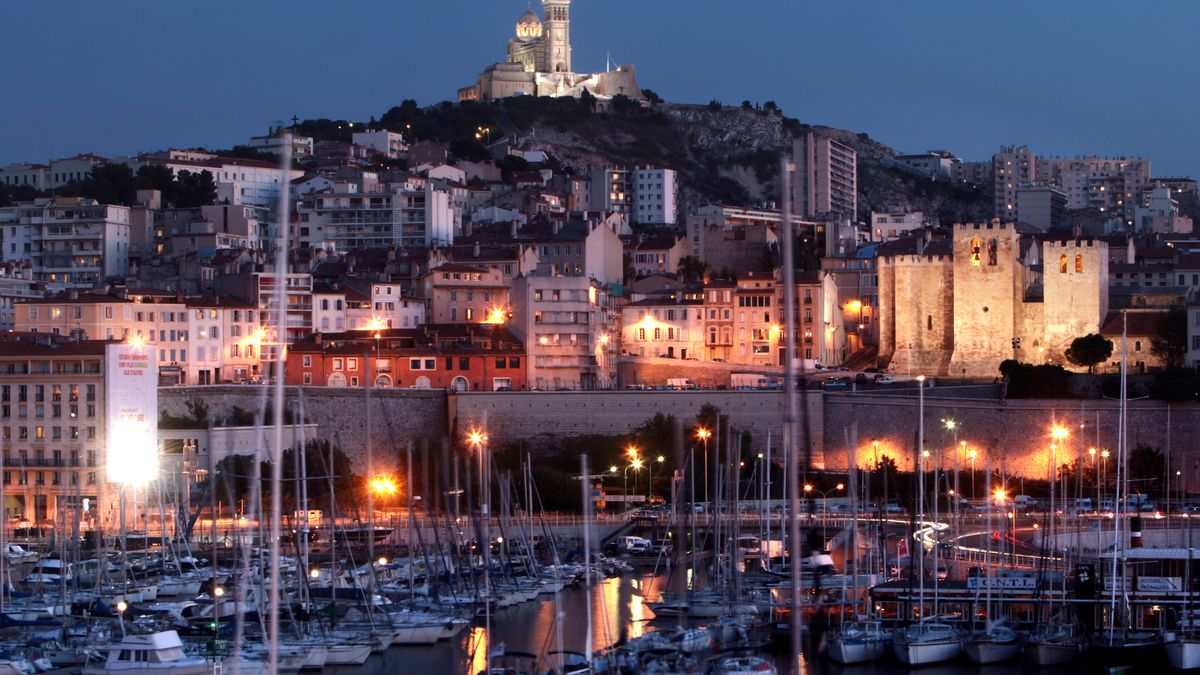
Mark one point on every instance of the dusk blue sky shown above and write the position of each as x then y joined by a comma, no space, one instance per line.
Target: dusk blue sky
1066,77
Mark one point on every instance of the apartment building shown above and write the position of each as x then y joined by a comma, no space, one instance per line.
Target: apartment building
654,196
581,248
71,242
16,285
657,255
456,357
347,218
718,320
756,320
54,420
458,293
1108,184
239,181
196,340
1013,166
611,190
724,237
569,326
669,326
825,179
387,143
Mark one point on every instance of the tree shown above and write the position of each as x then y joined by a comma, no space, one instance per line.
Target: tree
692,268
651,96
1089,350
1169,341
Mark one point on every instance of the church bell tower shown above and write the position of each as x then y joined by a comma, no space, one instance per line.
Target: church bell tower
557,21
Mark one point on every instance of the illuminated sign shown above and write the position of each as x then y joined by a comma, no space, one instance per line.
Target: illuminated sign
131,397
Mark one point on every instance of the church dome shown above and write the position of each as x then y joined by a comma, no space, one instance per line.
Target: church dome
529,25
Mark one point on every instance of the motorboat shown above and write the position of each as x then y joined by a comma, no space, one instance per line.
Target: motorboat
160,652
48,573
742,665
1183,650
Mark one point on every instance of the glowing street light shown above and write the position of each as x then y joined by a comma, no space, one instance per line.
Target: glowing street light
703,434
383,485
375,323
496,316
1059,432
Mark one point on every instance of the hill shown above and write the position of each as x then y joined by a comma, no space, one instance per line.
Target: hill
723,154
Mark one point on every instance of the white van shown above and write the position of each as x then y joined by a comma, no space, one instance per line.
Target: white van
635,545
681,383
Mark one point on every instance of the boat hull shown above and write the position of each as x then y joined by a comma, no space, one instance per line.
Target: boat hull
991,651
1183,654
849,651
926,652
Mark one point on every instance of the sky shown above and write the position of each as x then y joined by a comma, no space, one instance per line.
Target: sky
1066,77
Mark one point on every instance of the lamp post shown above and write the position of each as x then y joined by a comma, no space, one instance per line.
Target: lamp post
1096,466
825,506
952,426
650,481
1104,454
636,465
704,434
973,454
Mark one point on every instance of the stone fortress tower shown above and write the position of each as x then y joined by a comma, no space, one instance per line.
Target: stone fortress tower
960,306
987,295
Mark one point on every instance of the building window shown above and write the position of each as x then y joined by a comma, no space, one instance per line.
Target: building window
929,322
1062,264
1078,263
992,252
308,361
976,251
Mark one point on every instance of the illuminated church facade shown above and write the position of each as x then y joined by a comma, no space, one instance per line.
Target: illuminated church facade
539,64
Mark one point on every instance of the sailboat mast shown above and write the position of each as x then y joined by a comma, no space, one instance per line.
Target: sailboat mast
281,250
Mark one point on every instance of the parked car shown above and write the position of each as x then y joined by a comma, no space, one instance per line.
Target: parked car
884,379
836,383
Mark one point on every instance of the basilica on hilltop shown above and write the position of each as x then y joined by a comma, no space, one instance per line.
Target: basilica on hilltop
539,64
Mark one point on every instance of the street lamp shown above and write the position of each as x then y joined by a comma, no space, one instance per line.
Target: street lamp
808,487
703,434
636,465
650,479
973,454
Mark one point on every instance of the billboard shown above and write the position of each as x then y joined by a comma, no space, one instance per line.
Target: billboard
131,400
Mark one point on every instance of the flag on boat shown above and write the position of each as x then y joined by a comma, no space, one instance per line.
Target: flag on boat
498,650
902,547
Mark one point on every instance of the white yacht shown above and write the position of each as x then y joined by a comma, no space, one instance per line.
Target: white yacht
153,653
927,642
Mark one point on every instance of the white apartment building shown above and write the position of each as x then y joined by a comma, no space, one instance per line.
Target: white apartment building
391,308
16,285
886,225
347,218
654,193
24,175
302,146
239,181
1110,184
387,143
71,169
71,242
225,342
569,326
664,327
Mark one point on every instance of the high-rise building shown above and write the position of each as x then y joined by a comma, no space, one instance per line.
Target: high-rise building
654,196
825,180
1012,166
1042,206
72,242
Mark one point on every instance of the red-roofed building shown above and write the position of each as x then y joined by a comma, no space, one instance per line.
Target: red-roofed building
456,357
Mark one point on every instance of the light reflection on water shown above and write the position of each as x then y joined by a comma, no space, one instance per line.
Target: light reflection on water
616,610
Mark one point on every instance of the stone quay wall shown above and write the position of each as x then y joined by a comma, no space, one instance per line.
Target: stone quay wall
397,415
541,417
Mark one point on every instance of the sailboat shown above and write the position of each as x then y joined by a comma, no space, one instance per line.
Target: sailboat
859,642
928,640
1183,647
1116,644
996,642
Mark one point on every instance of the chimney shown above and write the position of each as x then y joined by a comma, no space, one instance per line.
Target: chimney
513,229
475,253
73,294
1131,251
318,338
